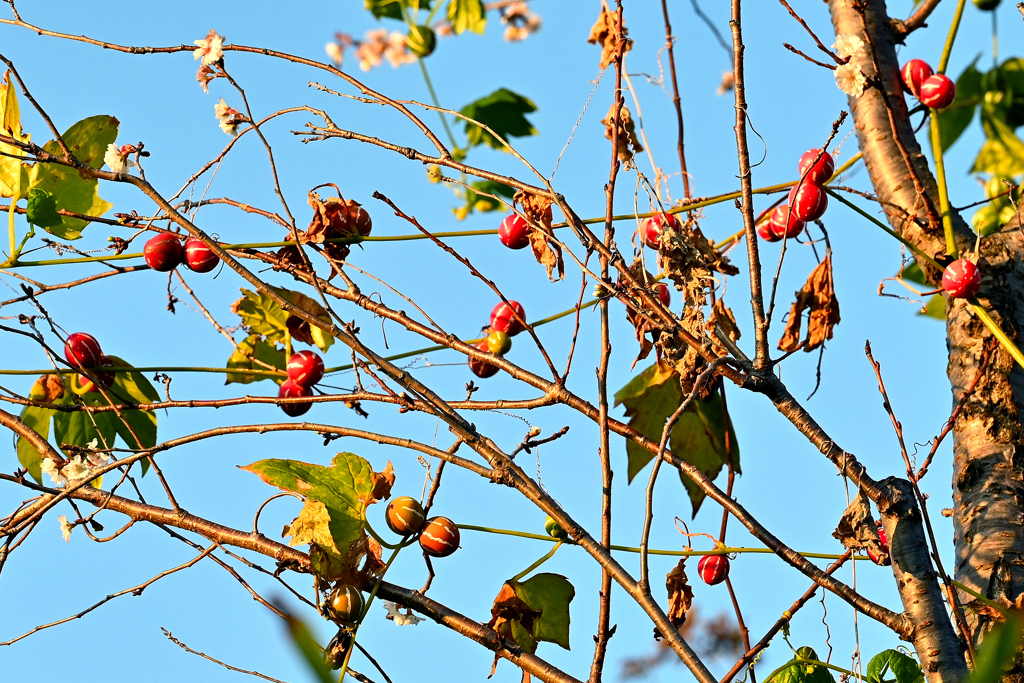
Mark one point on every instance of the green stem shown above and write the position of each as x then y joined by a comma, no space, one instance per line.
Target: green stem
797,661
940,179
366,610
954,27
437,103
997,332
981,597
885,227
12,255
515,579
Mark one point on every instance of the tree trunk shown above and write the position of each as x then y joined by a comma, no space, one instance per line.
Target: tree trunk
988,486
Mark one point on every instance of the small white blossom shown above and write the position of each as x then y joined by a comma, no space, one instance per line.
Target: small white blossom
850,79
229,118
209,49
395,51
50,467
406,618
76,469
117,158
65,528
205,75
335,52
98,459
847,45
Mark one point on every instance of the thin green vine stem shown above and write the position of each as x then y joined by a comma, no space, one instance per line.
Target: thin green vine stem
437,102
886,228
12,256
366,610
997,332
981,597
940,179
947,49
515,579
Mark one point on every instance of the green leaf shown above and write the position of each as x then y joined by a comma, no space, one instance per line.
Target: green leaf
307,646
954,119
477,202
262,316
702,436
904,668
392,9
914,273
345,489
79,428
997,651
797,672
255,346
1002,154
42,209
467,15
503,111
934,308
133,387
37,419
549,594
1012,74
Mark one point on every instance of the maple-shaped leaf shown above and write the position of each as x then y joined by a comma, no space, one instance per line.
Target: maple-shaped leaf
702,436
255,353
534,610
503,111
262,315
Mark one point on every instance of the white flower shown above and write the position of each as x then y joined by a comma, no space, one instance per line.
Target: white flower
65,527
209,49
850,79
50,467
396,52
204,76
335,52
848,45
372,48
76,469
98,459
402,619
117,158
229,118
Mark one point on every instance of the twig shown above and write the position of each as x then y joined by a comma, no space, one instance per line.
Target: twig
670,45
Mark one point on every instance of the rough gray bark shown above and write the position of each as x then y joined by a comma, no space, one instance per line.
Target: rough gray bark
987,481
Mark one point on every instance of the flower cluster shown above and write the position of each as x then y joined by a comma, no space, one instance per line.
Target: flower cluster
377,45
74,469
210,49
519,21
849,77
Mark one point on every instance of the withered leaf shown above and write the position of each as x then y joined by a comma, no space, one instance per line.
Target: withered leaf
513,618
688,258
628,143
818,297
382,483
643,322
722,316
546,250
46,389
335,217
680,595
605,33
856,529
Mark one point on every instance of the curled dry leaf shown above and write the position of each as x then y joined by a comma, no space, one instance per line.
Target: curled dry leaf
818,297
643,322
628,143
689,259
333,217
546,250
680,595
605,33
724,319
382,483
46,389
856,529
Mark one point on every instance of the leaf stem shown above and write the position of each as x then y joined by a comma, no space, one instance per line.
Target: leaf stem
940,179
953,28
515,579
437,102
997,332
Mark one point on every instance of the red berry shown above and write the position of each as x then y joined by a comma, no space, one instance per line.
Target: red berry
482,368
440,537
514,232
914,74
883,540
164,252
766,232
199,257
713,569
82,351
663,292
652,226
305,368
961,279
290,389
808,201
83,385
405,516
937,92
503,319
822,171
361,218
783,224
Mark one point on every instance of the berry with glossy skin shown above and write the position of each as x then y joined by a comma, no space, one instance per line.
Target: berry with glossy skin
914,74
164,252
504,320
345,604
822,171
82,385
514,232
663,292
440,537
961,279
555,529
360,217
337,650
764,229
883,540
808,201
651,227
290,389
937,92
482,368
713,569
199,257
783,224
421,40
82,351
305,368
405,516
498,343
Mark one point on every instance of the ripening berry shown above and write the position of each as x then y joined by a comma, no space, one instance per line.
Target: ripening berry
164,252
405,516
883,540
663,292
290,389
822,171
440,537
82,351
961,279
482,368
713,569
504,320
199,257
652,226
807,201
764,229
937,92
498,343
783,224
305,368
914,74
514,232
555,529
345,604
82,385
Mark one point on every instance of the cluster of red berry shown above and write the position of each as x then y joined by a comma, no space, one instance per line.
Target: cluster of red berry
165,252
506,322
438,536
807,200
935,91
83,352
305,369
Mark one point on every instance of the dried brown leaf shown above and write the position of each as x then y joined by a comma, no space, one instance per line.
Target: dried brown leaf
628,143
546,250
722,316
680,595
46,389
818,297
857,530
605,33
689,259
382,483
